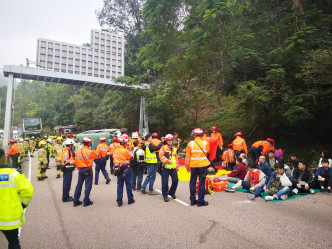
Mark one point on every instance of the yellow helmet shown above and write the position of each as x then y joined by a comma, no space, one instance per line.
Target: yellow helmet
26,138
42,143
18,139
59,138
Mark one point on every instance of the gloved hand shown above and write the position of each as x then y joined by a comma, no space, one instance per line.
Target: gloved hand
24,206
41,163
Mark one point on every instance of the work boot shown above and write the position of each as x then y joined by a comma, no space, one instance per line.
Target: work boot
68,199
88,204
205,203
131,201
57,176
193,202
108,180
166,199
120,203
173,196
77,203
96,183
153,193
40,178
45,177
143,191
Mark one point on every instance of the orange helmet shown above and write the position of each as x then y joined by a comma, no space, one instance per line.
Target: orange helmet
102,139
215,128
198,131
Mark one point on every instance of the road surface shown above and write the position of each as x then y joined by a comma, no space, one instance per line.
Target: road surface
230,221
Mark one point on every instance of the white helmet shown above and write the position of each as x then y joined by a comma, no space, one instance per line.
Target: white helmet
49,140
123,138
134,135
69,141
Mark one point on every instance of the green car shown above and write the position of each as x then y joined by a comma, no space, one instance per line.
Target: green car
96,134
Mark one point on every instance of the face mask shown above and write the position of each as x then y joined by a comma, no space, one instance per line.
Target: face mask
214,131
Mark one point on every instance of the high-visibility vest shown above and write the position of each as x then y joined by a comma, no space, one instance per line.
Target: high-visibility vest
228,156
102,150
254,177
240,144
14,189
13,149
216,137
140,155
196,153
173,157
84,157
68,156
122,156
113,147
150,157
156,142
58,148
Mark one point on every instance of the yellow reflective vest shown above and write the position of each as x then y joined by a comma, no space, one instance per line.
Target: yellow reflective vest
14,190
150,157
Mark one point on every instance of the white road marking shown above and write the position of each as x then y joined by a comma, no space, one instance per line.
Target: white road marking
29,178
179,201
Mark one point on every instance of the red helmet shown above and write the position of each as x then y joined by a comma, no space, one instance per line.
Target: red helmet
271,140
169,137
215,128
138,133
12,141
239,133
115,139
198,131
230,146
102,139
155,134
87,140
206,131
123,138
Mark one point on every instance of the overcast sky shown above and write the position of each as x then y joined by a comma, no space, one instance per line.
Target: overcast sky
23,21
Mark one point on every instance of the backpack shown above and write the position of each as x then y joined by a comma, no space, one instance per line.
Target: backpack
275,186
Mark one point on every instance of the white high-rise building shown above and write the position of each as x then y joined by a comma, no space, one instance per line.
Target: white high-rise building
104,58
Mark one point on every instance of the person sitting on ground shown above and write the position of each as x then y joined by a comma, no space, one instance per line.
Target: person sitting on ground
280,178
271,159
302,179
238,173
294,161
287,169
264,166
326,155
323,177
244,159
253,181
279,153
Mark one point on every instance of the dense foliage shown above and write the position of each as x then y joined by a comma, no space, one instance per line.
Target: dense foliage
263,67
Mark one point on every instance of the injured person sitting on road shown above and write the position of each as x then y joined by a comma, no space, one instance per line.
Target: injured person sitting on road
253,181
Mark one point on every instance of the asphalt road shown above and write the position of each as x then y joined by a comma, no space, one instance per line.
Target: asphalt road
230,220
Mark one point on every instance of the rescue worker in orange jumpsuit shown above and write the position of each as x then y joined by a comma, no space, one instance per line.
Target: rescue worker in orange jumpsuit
67,167
216,144
261,147
122,157
228,157
197,163
112,147
156,142
206,136
84,163
169,158
239,145
13,152
102,152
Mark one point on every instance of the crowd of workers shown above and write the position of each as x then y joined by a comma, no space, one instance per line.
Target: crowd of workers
130,157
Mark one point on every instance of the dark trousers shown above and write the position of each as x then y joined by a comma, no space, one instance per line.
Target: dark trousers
67,177
138,173
15,161
83,176
111,164
218,154
120,183
318,184
199,172
255,153
12,237
247,186
164,181
100,166
48,158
